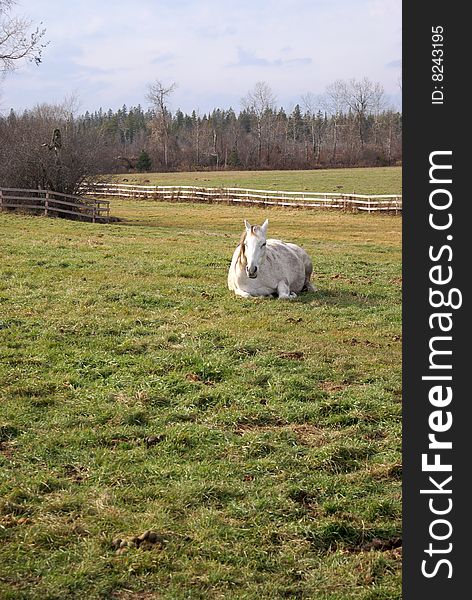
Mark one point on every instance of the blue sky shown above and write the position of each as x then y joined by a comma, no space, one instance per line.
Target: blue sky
108,52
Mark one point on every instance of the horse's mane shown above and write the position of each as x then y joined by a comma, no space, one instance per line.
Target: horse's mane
242,255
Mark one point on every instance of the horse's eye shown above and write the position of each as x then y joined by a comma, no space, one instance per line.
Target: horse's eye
262,245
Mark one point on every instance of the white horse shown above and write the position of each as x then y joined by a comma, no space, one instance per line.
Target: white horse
262,267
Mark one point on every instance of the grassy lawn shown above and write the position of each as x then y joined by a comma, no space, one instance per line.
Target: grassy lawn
259,439
387,180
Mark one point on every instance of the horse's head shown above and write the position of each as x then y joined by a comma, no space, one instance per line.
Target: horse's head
253,247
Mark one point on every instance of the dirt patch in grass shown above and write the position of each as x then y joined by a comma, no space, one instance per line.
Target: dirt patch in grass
295,355
382,545
76,473
386,471
130,595
7,449
332,386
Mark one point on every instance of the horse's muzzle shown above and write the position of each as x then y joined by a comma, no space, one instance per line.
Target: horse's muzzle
252,273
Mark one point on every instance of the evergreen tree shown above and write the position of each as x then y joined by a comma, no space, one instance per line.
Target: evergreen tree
144,162
233,158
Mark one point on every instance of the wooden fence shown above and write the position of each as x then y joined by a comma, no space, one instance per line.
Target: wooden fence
53,204
347,202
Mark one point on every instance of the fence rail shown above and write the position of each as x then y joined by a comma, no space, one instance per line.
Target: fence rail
186,193
52,204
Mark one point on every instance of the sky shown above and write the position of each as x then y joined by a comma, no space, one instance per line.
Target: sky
107,52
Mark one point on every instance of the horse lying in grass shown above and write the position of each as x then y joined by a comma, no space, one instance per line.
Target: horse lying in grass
264,267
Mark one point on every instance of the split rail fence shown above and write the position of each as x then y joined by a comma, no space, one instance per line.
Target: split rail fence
53,204
347,202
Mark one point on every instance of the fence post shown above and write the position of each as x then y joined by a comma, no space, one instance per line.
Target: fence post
46,203
94,207
1,199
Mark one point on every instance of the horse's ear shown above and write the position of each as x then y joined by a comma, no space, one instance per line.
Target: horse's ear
247,225
265,225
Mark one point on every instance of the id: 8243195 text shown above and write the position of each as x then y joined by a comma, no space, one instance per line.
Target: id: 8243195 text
437,66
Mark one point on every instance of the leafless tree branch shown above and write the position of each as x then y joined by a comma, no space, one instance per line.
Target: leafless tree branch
18,40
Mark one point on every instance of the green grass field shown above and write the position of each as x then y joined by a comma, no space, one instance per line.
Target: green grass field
260,439
377,180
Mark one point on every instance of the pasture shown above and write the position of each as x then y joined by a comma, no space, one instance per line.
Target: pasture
259,438
368,180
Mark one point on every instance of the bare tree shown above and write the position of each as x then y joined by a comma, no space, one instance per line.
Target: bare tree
158,96
261,103
333,102
17,40
312,105
45,148
363,98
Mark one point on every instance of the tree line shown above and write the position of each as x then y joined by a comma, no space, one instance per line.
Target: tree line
349,125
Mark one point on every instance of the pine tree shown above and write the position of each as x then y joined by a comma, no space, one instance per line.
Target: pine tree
144,162
233,158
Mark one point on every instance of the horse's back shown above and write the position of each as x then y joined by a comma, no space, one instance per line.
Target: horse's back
297,262
289,251
304,256
287,261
